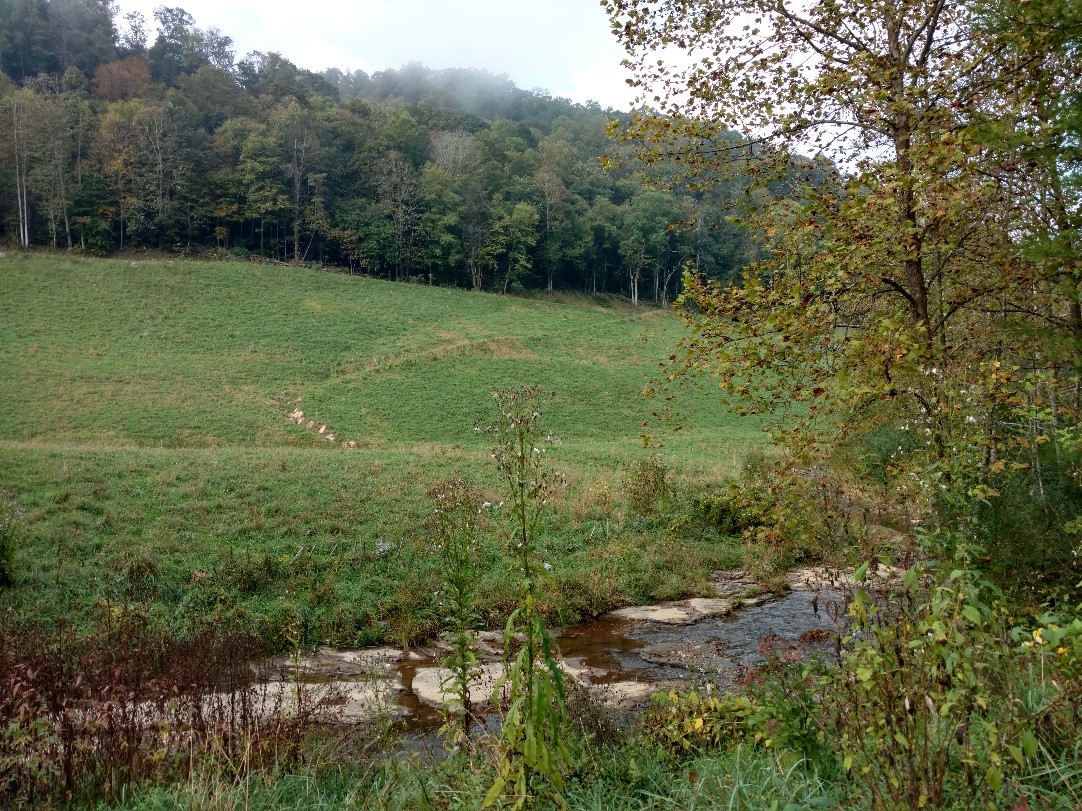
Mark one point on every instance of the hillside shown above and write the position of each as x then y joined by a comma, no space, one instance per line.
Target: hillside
145,429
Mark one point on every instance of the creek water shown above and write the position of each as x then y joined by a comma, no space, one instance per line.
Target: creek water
625,656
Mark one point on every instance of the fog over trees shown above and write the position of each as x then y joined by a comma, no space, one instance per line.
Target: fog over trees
114,138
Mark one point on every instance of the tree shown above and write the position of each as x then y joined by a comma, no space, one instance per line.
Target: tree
515,233
886,285
17,103
115,160
249,183
122,80
54,119
296,129
644,242
181,48
441,243
399,200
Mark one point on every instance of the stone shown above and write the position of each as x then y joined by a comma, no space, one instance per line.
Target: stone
331,663
709,606
671,614
696,658
341,702
627,694
824,578
734,583
683,612
427,680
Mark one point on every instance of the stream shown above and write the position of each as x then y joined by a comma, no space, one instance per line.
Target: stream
624,656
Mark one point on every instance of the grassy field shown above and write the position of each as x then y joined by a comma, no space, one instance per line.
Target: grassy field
144,431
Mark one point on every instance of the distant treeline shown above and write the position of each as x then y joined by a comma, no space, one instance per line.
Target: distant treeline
112,141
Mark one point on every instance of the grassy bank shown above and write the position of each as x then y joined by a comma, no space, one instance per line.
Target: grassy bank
144,432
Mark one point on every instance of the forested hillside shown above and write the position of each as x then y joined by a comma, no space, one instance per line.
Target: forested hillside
116,138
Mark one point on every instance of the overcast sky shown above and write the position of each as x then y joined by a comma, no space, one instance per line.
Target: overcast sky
562,46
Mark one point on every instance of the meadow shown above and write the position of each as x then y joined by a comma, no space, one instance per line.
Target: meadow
145,432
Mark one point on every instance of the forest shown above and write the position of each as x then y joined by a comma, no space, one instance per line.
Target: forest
455,177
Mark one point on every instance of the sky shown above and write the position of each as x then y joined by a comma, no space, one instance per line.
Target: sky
561,46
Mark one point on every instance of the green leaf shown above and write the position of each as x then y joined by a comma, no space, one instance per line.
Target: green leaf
495,791
861,572
1029,743
972,614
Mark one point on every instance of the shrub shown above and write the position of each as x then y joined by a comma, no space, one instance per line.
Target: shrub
11,524
644,484
785,515
681,723
932,708
453,527
82,717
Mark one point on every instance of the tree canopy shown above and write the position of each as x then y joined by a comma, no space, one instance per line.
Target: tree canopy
931,285
129,136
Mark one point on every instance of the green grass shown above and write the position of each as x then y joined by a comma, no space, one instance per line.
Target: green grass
614,779
143,429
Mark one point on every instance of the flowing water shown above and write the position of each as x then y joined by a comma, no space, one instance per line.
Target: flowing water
625,656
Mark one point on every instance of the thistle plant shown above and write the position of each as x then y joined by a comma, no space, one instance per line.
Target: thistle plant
532,752
453,526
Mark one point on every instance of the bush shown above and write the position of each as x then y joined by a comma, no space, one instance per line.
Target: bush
1031,525
11,523
785,514
83,717
681,723
644,484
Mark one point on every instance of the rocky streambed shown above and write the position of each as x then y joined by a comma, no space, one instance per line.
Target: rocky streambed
624,656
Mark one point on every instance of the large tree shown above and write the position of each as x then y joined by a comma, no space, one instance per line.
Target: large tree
892,253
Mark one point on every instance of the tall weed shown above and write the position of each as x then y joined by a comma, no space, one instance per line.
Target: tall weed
533,755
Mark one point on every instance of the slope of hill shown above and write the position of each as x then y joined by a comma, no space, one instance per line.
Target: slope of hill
151,428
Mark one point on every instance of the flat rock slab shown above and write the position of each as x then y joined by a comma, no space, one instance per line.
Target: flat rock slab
734,584
427,685
575,668
669,613
693,657
825,578
622,694
709,606
681,612
329,702
627,694
331,663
